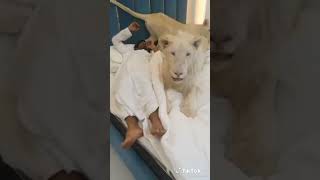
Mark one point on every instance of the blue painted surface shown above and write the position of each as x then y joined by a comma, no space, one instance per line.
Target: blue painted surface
141,6
181,10
157,6
170,8
131,159
124,19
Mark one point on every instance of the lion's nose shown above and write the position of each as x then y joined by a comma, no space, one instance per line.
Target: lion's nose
178,73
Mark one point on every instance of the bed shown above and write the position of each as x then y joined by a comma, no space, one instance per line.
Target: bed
140,160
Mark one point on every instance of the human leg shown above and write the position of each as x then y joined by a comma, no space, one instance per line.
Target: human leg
157,128
134,132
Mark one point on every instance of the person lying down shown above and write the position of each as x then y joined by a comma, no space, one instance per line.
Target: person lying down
134,98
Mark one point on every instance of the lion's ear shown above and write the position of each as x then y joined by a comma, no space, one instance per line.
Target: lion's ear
197,42
164,41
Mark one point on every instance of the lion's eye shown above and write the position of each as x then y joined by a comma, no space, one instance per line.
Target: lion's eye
173,53
188,54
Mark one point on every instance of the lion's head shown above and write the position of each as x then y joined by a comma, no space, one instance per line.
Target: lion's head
182,55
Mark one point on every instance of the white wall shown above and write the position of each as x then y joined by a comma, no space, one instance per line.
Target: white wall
207,16
191,11
197,11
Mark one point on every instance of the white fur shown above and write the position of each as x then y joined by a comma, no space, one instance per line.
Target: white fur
185,54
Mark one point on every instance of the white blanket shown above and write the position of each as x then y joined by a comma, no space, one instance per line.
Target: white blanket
187,140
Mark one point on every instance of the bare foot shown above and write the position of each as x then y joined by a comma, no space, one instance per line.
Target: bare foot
134,132
157,132
157,128
131,137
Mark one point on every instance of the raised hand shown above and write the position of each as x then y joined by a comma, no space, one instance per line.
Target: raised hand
134,26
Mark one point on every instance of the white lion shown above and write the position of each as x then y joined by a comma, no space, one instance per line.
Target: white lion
183,63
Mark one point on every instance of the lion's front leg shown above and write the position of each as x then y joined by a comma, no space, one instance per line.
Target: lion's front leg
189,105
